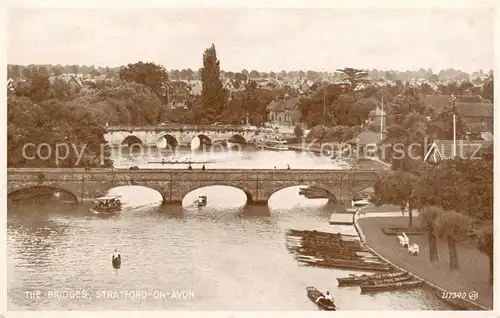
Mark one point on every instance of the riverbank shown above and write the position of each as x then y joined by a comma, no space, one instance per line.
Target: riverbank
471,277
367,163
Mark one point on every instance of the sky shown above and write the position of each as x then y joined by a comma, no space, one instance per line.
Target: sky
264,40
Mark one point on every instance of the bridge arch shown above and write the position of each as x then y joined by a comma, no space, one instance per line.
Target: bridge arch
162,190
204,140
330,195
170,141
131,141
237,139
20,194
247,192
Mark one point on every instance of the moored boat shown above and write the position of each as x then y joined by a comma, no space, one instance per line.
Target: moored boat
107,205
349,264
323,303
403,278
274,145
359,279
391,286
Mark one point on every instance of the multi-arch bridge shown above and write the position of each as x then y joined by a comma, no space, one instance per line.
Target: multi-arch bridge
172,135
174,185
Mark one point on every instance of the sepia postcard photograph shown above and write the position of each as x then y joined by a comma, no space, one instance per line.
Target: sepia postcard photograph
306,159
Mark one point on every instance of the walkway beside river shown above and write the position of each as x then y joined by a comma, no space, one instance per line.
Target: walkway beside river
471,277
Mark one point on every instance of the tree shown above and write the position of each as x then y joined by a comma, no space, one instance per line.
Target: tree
465,186
485,245
149,74
427,217
318,133
298,132
354,77
74,69
43,71
14,71
175,74
254,74
454,227
53,122
212,90
397,188
487,91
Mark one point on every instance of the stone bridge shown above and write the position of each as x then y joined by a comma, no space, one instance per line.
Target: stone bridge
174,185
182,135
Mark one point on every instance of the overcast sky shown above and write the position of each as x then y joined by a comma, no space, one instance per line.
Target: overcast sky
265,40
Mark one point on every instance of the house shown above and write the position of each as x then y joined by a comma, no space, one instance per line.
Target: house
475,111
365,144
465,149
284,112
436,101
179,94
478,116
377,116
70,82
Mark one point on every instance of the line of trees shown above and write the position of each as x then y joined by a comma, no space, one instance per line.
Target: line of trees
451,197
17,71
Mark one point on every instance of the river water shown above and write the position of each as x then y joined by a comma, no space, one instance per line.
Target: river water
224,256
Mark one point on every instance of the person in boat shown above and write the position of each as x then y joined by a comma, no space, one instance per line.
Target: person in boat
288,167
203,167
189,167
162,161
116,254
327,297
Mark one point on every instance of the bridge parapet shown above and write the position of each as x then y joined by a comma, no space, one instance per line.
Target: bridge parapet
174,184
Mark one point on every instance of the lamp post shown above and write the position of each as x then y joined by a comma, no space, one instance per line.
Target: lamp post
453,98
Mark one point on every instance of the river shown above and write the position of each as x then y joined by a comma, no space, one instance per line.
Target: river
225,256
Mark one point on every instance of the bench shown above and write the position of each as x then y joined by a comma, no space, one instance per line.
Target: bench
404,241
413,249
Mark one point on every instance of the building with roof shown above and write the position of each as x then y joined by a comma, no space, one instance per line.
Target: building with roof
71,82
478,116
284,112
377,116
365,144
465,149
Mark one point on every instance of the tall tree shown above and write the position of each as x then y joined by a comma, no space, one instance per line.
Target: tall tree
485,245
149,74
354,77
454,227
212,90
487,91
427,217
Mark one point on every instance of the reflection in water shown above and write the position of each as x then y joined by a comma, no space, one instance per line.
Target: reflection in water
217,252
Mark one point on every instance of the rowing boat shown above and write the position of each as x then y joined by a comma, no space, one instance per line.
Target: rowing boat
391,286
358,280
348,264
403,278
324,304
